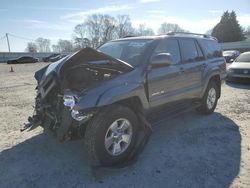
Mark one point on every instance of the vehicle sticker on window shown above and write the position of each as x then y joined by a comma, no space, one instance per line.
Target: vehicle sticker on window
136,44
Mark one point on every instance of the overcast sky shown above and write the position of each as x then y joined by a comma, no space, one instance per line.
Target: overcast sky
56,19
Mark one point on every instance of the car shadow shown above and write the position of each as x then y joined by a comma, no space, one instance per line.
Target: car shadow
188,151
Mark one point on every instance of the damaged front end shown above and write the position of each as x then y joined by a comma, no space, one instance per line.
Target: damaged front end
62,85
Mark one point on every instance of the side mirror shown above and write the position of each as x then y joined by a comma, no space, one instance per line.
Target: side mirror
161,60
231,60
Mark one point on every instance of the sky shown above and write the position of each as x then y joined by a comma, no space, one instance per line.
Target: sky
56,19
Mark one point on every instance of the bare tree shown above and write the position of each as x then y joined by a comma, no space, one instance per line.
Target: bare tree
144,31
63,46
168,27
124,26
55,48
94,25
80,36
108,28
31,47
43,44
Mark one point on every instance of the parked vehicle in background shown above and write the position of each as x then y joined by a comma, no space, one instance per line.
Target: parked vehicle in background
230,55
56,58
105,96
47,59
240,68
23,59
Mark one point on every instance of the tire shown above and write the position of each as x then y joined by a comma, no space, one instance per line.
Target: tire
99,132
209,103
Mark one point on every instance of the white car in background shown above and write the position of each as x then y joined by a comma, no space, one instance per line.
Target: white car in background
240,68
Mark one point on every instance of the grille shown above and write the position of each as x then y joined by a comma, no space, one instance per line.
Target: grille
242,71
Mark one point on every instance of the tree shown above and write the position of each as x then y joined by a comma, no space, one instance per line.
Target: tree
144,31
228,29
168,27
63,46
108,28
99,28
94,24
80,33
124,26
248,30
31,47
43,45
55,48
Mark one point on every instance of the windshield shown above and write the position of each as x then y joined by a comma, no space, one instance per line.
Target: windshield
130,51
243,58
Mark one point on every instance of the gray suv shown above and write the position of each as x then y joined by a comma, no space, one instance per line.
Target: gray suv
106,95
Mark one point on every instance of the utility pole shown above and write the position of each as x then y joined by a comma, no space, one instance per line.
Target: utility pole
8,41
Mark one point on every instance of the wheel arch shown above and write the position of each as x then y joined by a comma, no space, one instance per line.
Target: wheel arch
134,103
216,79
212,77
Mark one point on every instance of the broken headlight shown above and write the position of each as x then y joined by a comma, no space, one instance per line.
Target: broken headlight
70,101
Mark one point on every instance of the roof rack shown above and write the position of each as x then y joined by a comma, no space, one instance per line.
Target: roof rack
187,33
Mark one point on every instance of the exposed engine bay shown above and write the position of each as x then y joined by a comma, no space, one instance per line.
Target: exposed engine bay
81,77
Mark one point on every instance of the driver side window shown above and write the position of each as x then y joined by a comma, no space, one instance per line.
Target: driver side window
170,46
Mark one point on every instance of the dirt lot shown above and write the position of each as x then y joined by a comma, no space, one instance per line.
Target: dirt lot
189,151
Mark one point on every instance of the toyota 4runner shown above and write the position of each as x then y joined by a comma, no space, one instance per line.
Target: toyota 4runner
106,95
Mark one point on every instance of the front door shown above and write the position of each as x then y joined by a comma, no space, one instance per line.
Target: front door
164,83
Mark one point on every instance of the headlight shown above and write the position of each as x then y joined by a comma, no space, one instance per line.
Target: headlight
230,70
69,101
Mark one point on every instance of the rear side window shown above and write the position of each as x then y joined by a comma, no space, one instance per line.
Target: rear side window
170,46
211,48
190,51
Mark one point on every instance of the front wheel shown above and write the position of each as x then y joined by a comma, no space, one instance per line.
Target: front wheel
210,98
111,136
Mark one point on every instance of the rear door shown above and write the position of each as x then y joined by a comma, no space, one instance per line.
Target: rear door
194,64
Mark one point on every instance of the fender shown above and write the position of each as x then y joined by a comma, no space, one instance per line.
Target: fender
121,92
112,95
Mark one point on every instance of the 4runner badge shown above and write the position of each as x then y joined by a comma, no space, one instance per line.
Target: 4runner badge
158,93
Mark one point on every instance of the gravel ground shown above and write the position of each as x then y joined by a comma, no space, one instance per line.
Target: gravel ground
191,150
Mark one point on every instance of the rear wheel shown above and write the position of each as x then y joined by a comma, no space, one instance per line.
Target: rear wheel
111,136
210,98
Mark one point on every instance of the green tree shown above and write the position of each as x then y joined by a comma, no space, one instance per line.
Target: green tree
228,29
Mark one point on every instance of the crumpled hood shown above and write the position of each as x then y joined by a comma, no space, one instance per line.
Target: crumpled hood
87,56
